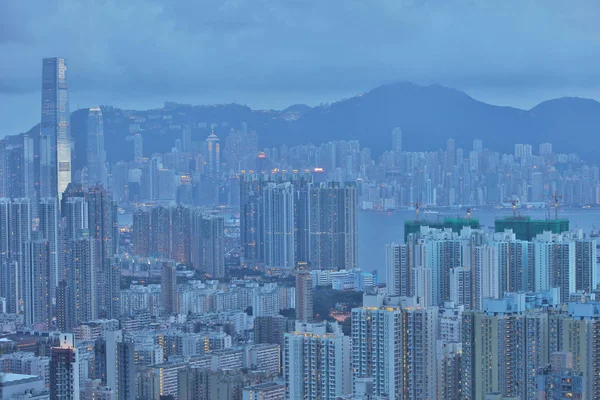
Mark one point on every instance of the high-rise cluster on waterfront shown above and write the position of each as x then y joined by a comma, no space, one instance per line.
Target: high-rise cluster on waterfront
213,268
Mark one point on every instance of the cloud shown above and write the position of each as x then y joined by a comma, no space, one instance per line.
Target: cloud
185,47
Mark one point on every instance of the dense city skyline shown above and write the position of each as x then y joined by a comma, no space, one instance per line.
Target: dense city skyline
407,242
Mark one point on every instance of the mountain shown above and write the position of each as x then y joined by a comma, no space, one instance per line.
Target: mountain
428,116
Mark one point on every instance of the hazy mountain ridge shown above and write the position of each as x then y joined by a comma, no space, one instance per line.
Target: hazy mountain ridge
428,116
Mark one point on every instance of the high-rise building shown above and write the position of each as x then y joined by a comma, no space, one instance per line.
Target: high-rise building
208,249
578,333
168,288
29,188
304,295
316,362
102,227
585,265
378,315
96,156
212,150
119,365
64,369
64,316
141,232
270,329
38,280
55,173
554,263
160,232
278,214
81,278
15,232
503,346
48,227
333,226
393,343
181,232
399,270
251,220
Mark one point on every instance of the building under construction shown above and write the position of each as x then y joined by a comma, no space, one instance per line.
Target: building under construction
456,224
526,228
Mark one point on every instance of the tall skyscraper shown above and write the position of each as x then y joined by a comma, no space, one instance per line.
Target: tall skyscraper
64,369
304,294
333,226
48,227
168,288
38,279
316,362
278,213
141,232
55,128
502,348
393,343
251,220
29,172
212,150
102,227
96,156
81,278
208,246
181,232
399,270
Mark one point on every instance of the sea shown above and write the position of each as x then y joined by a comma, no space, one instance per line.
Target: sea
378,228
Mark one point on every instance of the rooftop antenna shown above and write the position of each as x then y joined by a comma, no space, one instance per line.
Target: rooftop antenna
556,197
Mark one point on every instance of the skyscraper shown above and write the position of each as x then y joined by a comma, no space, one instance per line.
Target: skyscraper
333,226
278,213
96,156
101,225
251,221
399,270
168,288
378,315
29,172
81,278
208,246
55,128
393,343
212,150
304,295
38,279
48,227
64,369
502,348
316,362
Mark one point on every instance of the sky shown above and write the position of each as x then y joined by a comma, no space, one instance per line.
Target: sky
274,53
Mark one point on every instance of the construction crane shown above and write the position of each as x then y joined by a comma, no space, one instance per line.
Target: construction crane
556,197
514,203
417,205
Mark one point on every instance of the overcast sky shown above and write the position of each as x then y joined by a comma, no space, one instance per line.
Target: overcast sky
273,53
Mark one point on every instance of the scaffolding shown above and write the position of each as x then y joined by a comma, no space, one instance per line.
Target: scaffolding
526,228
